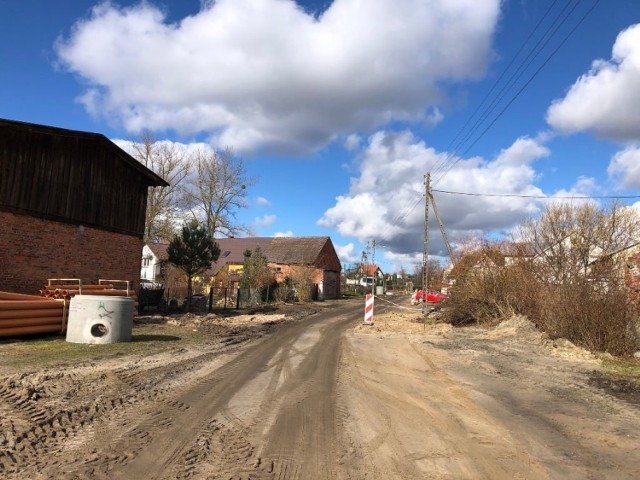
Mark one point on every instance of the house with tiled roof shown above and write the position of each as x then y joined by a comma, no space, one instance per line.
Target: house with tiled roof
284,255
369,271
154,254
227,270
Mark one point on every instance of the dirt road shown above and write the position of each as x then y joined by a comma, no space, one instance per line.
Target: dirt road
322,398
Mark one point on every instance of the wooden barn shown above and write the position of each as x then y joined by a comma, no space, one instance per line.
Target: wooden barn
72,205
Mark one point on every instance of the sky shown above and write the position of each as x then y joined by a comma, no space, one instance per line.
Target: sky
340,108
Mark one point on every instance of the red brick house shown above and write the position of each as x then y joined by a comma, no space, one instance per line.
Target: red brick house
284,255
628,260
72,205
632,274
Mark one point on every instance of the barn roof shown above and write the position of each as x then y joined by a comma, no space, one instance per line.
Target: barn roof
282,250
295,250
232,250
159,249
153,180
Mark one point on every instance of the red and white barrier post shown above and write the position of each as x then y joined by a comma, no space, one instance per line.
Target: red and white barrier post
368,310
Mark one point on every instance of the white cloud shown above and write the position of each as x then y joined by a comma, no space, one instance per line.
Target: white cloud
265,220
386,202
409,262
288,233
266,74
581,192
182,149
583,187
353,142
347,253
606,100
624,168
434,117
263,202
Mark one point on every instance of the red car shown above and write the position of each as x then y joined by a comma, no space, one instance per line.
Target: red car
432,297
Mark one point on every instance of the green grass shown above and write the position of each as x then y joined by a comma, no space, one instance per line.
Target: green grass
34,352
624,367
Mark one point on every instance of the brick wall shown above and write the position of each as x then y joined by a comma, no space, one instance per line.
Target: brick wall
33,250
632,278
328,259
287,270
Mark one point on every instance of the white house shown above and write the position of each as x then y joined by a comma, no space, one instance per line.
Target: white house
153,254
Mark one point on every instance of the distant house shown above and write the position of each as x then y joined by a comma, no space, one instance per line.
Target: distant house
631,271
154,255
513,252
368,274
627,259
72,205
284,255
227,270
485,260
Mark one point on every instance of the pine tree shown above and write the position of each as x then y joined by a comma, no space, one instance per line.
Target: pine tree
193,251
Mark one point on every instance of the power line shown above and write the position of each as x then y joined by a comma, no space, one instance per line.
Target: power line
537,49
448,163
452,143
541,197
524,64
409,207
443,167
549,57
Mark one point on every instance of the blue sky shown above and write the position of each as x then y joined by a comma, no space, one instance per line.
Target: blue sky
340,108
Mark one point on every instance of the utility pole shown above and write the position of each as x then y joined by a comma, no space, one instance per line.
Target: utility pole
442,229
373,263
425,252
364,265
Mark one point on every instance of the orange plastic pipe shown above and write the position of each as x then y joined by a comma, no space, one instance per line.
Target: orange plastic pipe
31,313
30,330
28,304
18,296
29,322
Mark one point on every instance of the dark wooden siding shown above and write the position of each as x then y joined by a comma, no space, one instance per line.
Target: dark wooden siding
76,178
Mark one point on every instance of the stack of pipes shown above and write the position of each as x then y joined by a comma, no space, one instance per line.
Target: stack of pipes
66,291
104,287
30,314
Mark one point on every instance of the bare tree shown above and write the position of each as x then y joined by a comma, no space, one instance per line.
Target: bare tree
256,275
568,239
436,273
567,275
302,279
163,203
350,274
218,190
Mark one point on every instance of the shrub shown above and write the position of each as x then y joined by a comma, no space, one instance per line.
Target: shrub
591,308
302,283
285,292
486,290
598,319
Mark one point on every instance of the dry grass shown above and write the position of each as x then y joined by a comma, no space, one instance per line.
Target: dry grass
593,313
